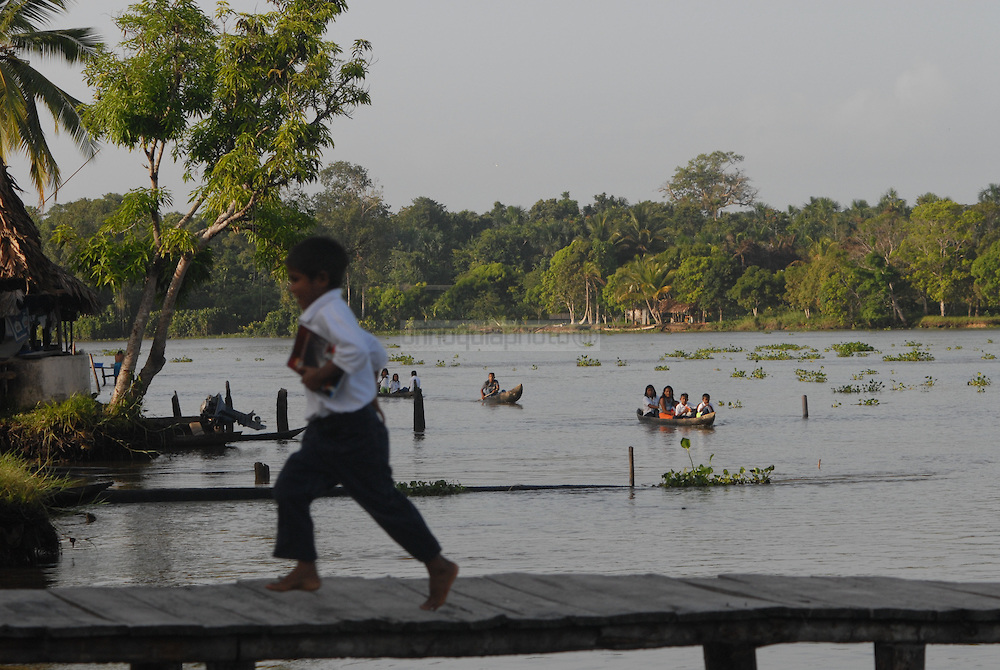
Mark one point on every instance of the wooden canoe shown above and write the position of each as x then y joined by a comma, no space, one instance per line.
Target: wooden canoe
222,438
704,420
504,397
398,394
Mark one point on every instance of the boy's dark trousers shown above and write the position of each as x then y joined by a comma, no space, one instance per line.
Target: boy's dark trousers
352,450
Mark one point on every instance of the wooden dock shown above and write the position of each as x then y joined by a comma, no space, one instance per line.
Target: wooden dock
230,626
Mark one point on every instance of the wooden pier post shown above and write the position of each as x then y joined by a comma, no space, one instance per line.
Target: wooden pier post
282,410
729,657
631,467
175,403
805,407
898,656
418,410
162,665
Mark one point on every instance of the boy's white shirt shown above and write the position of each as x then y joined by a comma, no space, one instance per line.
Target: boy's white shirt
356,351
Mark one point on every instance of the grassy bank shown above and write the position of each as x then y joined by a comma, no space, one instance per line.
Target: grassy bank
27,536
76,430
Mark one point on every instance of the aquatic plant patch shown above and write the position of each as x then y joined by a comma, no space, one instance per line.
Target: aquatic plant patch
421,488
910,356
705,475
811,375
846,349
980,381
584,361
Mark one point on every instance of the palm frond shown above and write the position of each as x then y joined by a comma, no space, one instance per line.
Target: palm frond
70,45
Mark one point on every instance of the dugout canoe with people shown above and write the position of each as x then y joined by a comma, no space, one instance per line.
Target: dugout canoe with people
504,397
665,410
703,420
490,392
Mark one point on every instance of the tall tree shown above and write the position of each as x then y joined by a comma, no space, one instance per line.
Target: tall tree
564,283
712,182
938,249
22,87
757,288
352,209
249,108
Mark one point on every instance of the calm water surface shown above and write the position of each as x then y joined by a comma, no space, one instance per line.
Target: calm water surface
905,487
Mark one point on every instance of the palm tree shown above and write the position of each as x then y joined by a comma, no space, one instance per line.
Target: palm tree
645,281
22,87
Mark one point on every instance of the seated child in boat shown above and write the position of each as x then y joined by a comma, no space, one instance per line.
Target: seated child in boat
649,405
394,383
383,381
705,406
683,409
667,403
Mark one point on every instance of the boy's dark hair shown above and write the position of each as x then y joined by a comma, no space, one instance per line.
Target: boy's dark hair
319,254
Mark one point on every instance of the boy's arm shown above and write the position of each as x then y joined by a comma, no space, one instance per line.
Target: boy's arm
316,378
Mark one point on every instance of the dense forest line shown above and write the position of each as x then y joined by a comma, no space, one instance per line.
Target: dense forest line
709,252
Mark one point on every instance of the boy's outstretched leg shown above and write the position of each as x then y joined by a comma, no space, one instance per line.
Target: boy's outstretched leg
442,573
303,577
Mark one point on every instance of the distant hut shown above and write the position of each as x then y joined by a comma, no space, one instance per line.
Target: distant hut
39,300
679,312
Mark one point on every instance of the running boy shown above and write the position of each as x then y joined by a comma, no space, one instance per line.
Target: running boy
345,441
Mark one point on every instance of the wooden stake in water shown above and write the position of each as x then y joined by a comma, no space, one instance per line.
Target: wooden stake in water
418,410
805,407
261,474
631,467
282,410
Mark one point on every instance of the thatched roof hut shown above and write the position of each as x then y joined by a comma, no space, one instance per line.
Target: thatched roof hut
674,308
25,270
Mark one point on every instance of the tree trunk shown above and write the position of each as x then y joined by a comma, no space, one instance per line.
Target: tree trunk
123,384
657,318
157,358
942,307
897,311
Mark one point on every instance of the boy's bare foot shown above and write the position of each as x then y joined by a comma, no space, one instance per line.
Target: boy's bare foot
302,578
442,573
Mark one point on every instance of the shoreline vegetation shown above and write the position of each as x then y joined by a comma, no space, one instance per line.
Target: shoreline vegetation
761,323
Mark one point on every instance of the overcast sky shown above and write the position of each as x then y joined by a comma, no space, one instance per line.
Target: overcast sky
475,102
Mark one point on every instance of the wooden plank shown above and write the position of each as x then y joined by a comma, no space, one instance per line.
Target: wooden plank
33,612
625,598
876,597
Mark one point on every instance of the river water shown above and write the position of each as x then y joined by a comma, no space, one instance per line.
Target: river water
897,480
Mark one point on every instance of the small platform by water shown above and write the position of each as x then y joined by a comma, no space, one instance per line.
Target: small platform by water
231,626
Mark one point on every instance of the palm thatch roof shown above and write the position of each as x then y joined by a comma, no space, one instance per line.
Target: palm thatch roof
23,265
671,306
